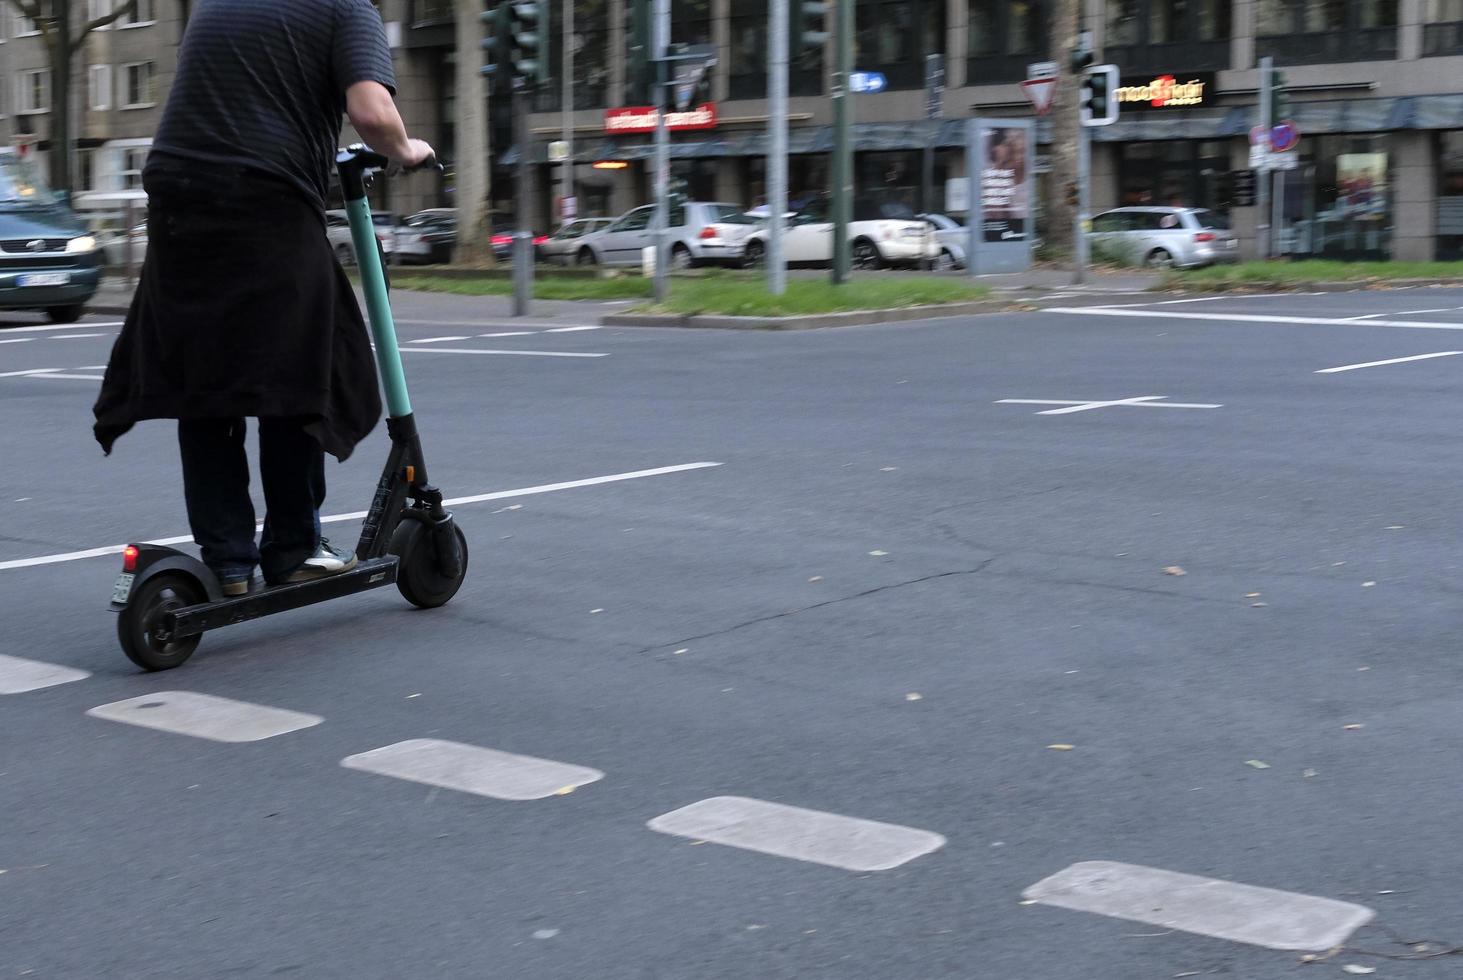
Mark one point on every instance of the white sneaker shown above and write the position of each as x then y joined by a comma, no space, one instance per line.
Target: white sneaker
325,562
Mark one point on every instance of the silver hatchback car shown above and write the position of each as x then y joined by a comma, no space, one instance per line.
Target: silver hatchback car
701,233
1163,238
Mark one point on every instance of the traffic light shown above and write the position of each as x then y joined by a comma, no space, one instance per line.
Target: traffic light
1082,55
517,43
1279,101
637,65
809,20
1098,103
497,41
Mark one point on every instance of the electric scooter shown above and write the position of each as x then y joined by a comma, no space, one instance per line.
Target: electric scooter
167,600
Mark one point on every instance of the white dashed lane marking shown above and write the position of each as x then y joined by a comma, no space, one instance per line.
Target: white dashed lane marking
851,843
205,716
434,340
474,350
1205,906
472,769
17,675
1393,360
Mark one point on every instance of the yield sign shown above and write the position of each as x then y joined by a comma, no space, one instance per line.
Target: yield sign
1040,91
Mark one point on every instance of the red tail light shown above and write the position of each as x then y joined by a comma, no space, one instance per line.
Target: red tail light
129,558
1204,236
540,239
502,240
708,232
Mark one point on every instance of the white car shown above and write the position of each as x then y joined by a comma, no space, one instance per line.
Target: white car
338,230
879,236
700,233
953,238
561,247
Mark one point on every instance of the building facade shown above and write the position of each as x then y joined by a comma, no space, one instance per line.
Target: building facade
1373,85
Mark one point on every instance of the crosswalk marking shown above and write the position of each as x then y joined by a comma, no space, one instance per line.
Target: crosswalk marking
205,716
850,843
17,675
473,769
1206,906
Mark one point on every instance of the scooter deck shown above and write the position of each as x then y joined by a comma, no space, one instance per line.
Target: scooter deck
371,574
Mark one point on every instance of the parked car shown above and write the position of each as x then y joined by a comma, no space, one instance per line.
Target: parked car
337,229
427,237
502,241
47,260
952,237
1163,238
880,234
701,233
561,247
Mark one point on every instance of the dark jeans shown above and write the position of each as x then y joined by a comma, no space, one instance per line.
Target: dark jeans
216,487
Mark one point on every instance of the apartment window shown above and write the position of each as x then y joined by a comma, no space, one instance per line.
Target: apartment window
3,103
97,9
748,62
133,160
893,37
1168,35
431,12
25,27
1442,27
1300,32
146,13
1005,36
99,87
33,94
140,86
86,170
591,43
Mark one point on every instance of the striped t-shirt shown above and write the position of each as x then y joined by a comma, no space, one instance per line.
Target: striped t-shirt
261,83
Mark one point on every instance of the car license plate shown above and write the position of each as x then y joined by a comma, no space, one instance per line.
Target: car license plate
44,279
123,588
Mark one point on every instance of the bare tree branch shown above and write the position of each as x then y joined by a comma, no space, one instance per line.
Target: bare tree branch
130,7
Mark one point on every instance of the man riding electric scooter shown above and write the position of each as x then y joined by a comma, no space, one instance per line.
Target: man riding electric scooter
242,309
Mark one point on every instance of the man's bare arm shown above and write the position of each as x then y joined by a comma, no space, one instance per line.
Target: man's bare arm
373,113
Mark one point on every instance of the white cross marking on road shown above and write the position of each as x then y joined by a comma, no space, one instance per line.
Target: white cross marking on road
1072,407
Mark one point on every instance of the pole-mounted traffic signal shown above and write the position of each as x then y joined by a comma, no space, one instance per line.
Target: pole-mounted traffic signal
637,67
1098,103
809,27
1279,101
517,41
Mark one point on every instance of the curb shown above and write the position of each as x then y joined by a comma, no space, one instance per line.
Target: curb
810,322
1344,286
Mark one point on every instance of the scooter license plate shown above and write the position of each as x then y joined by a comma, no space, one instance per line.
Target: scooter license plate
123,588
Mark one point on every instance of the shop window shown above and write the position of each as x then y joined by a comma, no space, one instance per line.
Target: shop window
1174,173
1338,203
1004,37
1168,35
893,37
1312,32
1450,196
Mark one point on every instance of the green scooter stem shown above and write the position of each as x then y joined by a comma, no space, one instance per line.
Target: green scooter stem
378,307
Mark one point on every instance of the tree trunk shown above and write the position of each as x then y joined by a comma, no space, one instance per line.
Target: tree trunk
474,247
1062,29
60,57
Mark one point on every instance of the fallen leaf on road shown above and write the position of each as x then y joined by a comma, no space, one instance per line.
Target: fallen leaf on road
1363,668
1258,605
1027,901
1353,728
1174,570
1367,585
1257,764
887,469
1061,747
1359,970
878,554
816,578
683,650
564,791
1252,595
1395,527
1308,774
592,611
914,696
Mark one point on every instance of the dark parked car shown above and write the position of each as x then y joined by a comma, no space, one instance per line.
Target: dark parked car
47,260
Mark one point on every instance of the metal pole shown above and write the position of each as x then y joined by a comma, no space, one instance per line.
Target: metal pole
975,152
1277,212
776,144
1262,172
523,237
660,40
566,191
1084,203
842,151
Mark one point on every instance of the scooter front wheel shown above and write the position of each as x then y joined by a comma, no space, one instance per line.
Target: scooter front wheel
419,576
140,625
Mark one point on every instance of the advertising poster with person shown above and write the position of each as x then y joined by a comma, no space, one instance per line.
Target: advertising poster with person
1361,185
1003,184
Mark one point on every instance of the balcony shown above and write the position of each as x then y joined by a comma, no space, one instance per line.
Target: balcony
1179,56
1442,39
1363,44
425,12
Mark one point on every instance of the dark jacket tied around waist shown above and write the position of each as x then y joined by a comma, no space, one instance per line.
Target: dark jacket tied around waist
242,310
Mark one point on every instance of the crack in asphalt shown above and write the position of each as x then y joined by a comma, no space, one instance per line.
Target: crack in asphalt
824,604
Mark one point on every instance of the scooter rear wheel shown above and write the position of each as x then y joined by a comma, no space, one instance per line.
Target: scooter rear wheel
140,624
418,578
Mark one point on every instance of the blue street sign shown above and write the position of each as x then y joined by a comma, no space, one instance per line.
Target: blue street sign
867,81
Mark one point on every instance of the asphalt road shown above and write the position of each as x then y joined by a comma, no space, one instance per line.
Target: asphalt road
893,595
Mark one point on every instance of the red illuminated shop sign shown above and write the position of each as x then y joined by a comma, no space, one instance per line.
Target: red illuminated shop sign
641,119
